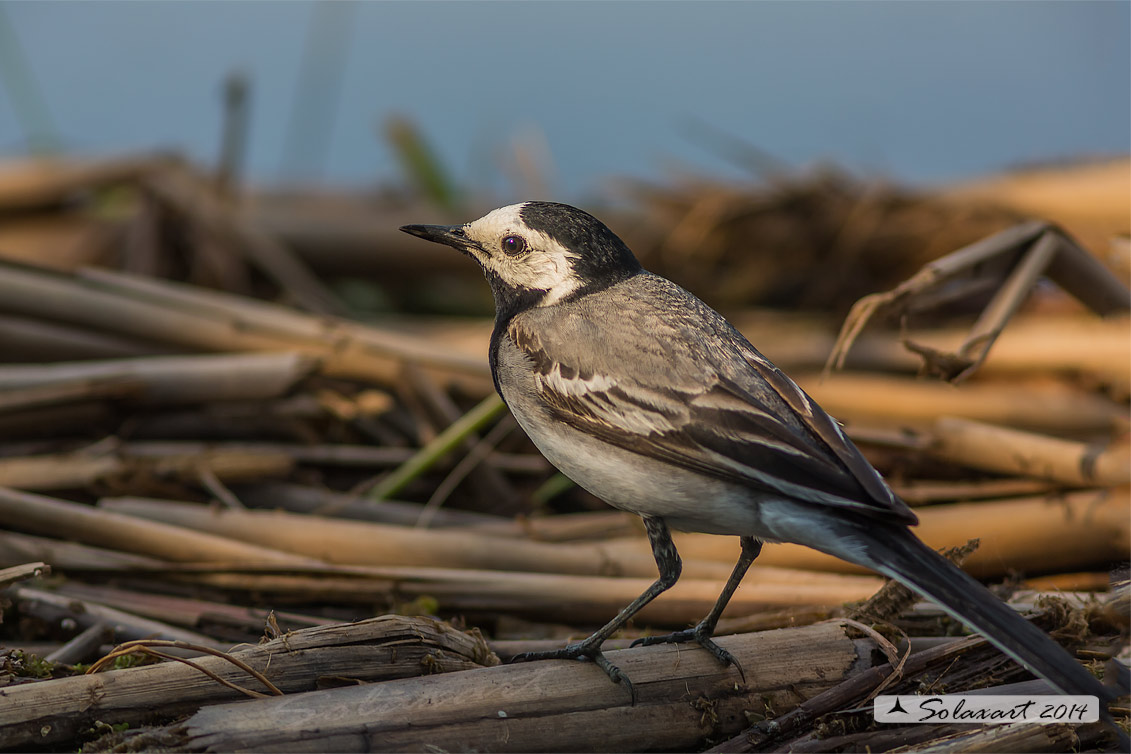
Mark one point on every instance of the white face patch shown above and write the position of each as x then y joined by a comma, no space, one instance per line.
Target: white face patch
544,265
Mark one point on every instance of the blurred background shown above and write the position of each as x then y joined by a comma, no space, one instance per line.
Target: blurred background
555,98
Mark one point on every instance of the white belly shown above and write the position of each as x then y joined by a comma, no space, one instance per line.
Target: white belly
687,501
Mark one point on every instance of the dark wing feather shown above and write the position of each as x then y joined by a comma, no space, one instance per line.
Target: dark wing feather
752,426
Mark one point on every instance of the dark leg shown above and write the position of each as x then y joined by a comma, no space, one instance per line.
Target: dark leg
669,564
702,632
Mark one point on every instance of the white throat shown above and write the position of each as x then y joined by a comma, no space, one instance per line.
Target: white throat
546,265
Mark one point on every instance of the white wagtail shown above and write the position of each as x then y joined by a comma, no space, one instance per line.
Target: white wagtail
648,398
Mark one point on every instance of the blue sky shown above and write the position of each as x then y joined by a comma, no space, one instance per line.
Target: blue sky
916,91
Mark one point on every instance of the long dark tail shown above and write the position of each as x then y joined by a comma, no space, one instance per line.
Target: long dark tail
901,555
895,551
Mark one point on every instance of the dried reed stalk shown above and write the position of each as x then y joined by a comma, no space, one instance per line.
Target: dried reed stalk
585,600
32,183
36,340
167,380
365,543
684,697
38,514
1009,451
391,646
105,464
1027,535
195,319
50,607
67,556
871,399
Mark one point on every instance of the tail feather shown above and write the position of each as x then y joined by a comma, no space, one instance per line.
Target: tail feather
901,555
893,550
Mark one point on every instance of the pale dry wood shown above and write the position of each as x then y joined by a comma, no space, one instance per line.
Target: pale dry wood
39,181
846,694
36,340
297,498
590,600
181,316
184,611
367,543
84,646
66,556
1046,343
1028,535
346,347
566,527
370,544
49,606
876,399
65,239
82,468
68,391
328,454
39,514
58,471
988,253
1010,262
572,599
22,572
507,649
325,454
988,447
921,492
176,379
1087,581
684,697
1088,199
54,711
801,615
1009,297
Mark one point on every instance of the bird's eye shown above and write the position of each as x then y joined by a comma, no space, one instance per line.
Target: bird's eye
513,244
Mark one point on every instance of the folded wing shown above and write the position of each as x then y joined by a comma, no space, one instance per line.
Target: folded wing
750,425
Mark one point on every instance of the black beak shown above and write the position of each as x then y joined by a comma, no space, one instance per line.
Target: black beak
449,235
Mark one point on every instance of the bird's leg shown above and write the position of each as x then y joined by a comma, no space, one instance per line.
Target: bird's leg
669,564
703,631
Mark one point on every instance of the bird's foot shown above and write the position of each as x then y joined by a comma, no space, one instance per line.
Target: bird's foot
583,650
701,635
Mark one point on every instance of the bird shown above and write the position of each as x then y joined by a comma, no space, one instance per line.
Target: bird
653,402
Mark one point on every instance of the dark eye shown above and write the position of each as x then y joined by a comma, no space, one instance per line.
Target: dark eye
514,244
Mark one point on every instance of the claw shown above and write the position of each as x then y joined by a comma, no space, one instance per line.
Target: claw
700,636
582,650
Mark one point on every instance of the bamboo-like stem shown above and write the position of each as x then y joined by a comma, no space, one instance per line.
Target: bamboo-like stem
174,379
1028,535
1010,451
392,646
59,518
194,319
549,706
473,421
367,543
904,401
